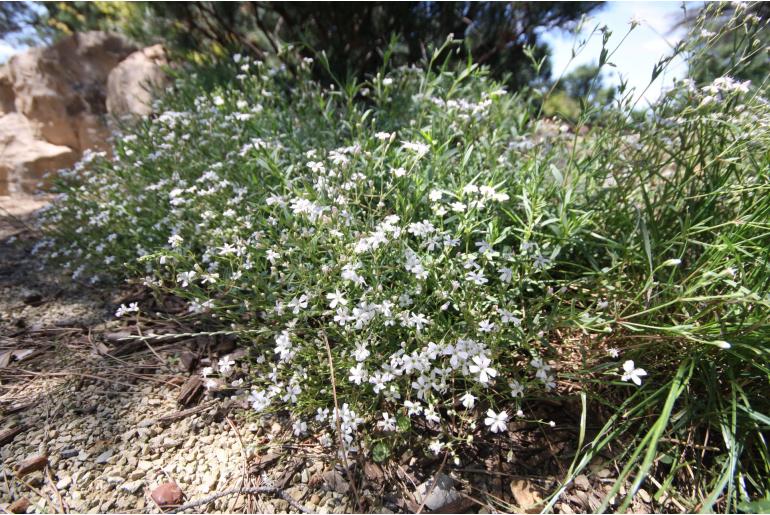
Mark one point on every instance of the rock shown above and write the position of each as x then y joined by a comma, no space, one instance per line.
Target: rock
63,483
132,486
170,443
524,494
336,482
167,495
31,465
104,457
442,493
582,482
26,158
54,102
20,505
114,480
130,84
373,472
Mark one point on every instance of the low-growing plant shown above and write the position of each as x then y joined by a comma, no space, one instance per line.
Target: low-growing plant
405,258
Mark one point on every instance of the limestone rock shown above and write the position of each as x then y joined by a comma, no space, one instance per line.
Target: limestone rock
54,102
24,159
130,84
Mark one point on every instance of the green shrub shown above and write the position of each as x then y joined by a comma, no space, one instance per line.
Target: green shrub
418,249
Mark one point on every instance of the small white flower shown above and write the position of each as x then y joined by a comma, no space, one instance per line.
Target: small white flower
481,367
336,299
357,374
485,326
496,421
387,423
631,373
412,408
613,352
468,400
299,427
517,389
175,240
436,446
225,365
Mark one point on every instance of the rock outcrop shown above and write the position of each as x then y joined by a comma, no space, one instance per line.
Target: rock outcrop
54,102
131,83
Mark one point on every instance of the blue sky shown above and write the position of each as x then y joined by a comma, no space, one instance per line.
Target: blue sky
636,57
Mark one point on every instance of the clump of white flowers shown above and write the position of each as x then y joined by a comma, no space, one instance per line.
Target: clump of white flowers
435,247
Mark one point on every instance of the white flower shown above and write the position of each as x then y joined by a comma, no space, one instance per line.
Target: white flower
387,423
123,309
412,408
481,367
186,278
299,427
336,299
613,352
431,415
175,240
357,374
506,274
508,317
517,389
225,365
630,373
436,446
468,400
485,326
476,277
298,303
496,421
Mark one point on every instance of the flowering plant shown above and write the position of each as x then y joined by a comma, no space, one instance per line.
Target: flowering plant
410,255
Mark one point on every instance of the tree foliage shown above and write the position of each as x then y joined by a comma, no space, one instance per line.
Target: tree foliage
351,34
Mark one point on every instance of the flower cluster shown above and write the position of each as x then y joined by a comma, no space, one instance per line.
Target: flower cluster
421,258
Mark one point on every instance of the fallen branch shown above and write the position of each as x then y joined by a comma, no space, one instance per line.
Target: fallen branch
248,491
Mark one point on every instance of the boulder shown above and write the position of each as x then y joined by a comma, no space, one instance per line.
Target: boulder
54,86
25,159
131,83
54,102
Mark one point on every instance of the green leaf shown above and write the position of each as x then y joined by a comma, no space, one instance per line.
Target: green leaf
380,452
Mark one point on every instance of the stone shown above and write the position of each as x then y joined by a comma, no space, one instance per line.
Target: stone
581,482
336,482
31,465
104,457
55,102
442,493
524,494
26,158
63,483
167,495
132,486
130,83
20,505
